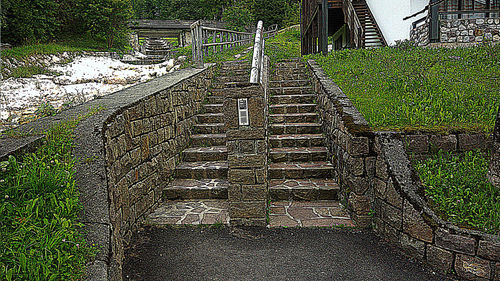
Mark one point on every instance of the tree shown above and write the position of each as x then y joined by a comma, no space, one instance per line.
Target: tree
237,18
106,19
29,21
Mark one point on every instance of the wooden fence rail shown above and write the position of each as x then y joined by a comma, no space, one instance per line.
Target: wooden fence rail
209,40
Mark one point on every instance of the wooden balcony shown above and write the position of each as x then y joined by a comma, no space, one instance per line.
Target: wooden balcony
334,4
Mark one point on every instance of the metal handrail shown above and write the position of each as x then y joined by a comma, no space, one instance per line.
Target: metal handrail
258,54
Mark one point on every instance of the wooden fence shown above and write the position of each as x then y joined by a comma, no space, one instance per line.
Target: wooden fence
209,40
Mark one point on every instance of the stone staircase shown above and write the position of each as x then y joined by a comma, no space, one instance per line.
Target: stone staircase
202,174
298,159
372,36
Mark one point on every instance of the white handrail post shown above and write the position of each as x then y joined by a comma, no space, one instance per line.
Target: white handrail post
257,54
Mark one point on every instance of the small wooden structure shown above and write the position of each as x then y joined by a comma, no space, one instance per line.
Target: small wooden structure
168,29
314,26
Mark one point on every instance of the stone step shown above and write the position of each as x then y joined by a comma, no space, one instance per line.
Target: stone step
290,99
289,64
232,84
301,170
213,108
289,76
210,118
208,153
202,170
157,52
294,128
291,90
304,189
289,83
296,140
298,154
288,72
233,78
292,108
180,189
209,128
208,140
236,66
215,99
294,118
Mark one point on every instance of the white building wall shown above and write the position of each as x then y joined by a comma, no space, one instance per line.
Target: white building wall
389,15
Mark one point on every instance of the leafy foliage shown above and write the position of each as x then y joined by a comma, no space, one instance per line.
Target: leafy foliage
39,205
420,89
457,188
237,18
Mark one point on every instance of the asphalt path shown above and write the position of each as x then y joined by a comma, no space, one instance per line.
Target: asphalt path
223,253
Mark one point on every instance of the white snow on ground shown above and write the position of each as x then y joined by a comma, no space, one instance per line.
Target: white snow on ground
82,80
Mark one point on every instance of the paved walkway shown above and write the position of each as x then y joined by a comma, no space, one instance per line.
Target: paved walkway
192,212
323,213
223,253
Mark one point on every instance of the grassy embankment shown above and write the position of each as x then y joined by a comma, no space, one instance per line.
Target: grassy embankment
438,91
39,207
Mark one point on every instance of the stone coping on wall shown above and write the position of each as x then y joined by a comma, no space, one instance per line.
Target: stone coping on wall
91,175
378,183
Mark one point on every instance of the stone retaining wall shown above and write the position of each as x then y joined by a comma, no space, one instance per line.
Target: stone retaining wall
143,142
403,217
350,143
420,34
126,152
426,143
494,172
381,189
469,30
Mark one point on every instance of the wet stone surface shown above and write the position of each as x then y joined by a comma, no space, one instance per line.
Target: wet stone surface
324,213
190,212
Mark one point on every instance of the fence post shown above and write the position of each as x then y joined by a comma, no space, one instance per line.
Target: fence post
197,44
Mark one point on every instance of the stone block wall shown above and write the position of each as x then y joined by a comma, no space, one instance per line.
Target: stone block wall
381,189
403,217
350,143
420,34
143,142
426,143
494,172
248,191
469,30
124,152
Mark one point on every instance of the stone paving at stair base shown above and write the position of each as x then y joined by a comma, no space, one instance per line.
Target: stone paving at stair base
324,213
308,214
190,212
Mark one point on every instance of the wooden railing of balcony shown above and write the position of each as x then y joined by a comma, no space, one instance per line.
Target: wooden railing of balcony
354,24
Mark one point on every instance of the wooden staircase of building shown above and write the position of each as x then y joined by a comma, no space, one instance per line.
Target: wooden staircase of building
372,35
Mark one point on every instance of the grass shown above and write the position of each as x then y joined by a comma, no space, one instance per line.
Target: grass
420,89
67,45
285,45
39,230
28,71
457,189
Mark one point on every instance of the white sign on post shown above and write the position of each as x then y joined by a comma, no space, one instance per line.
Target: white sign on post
243,112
